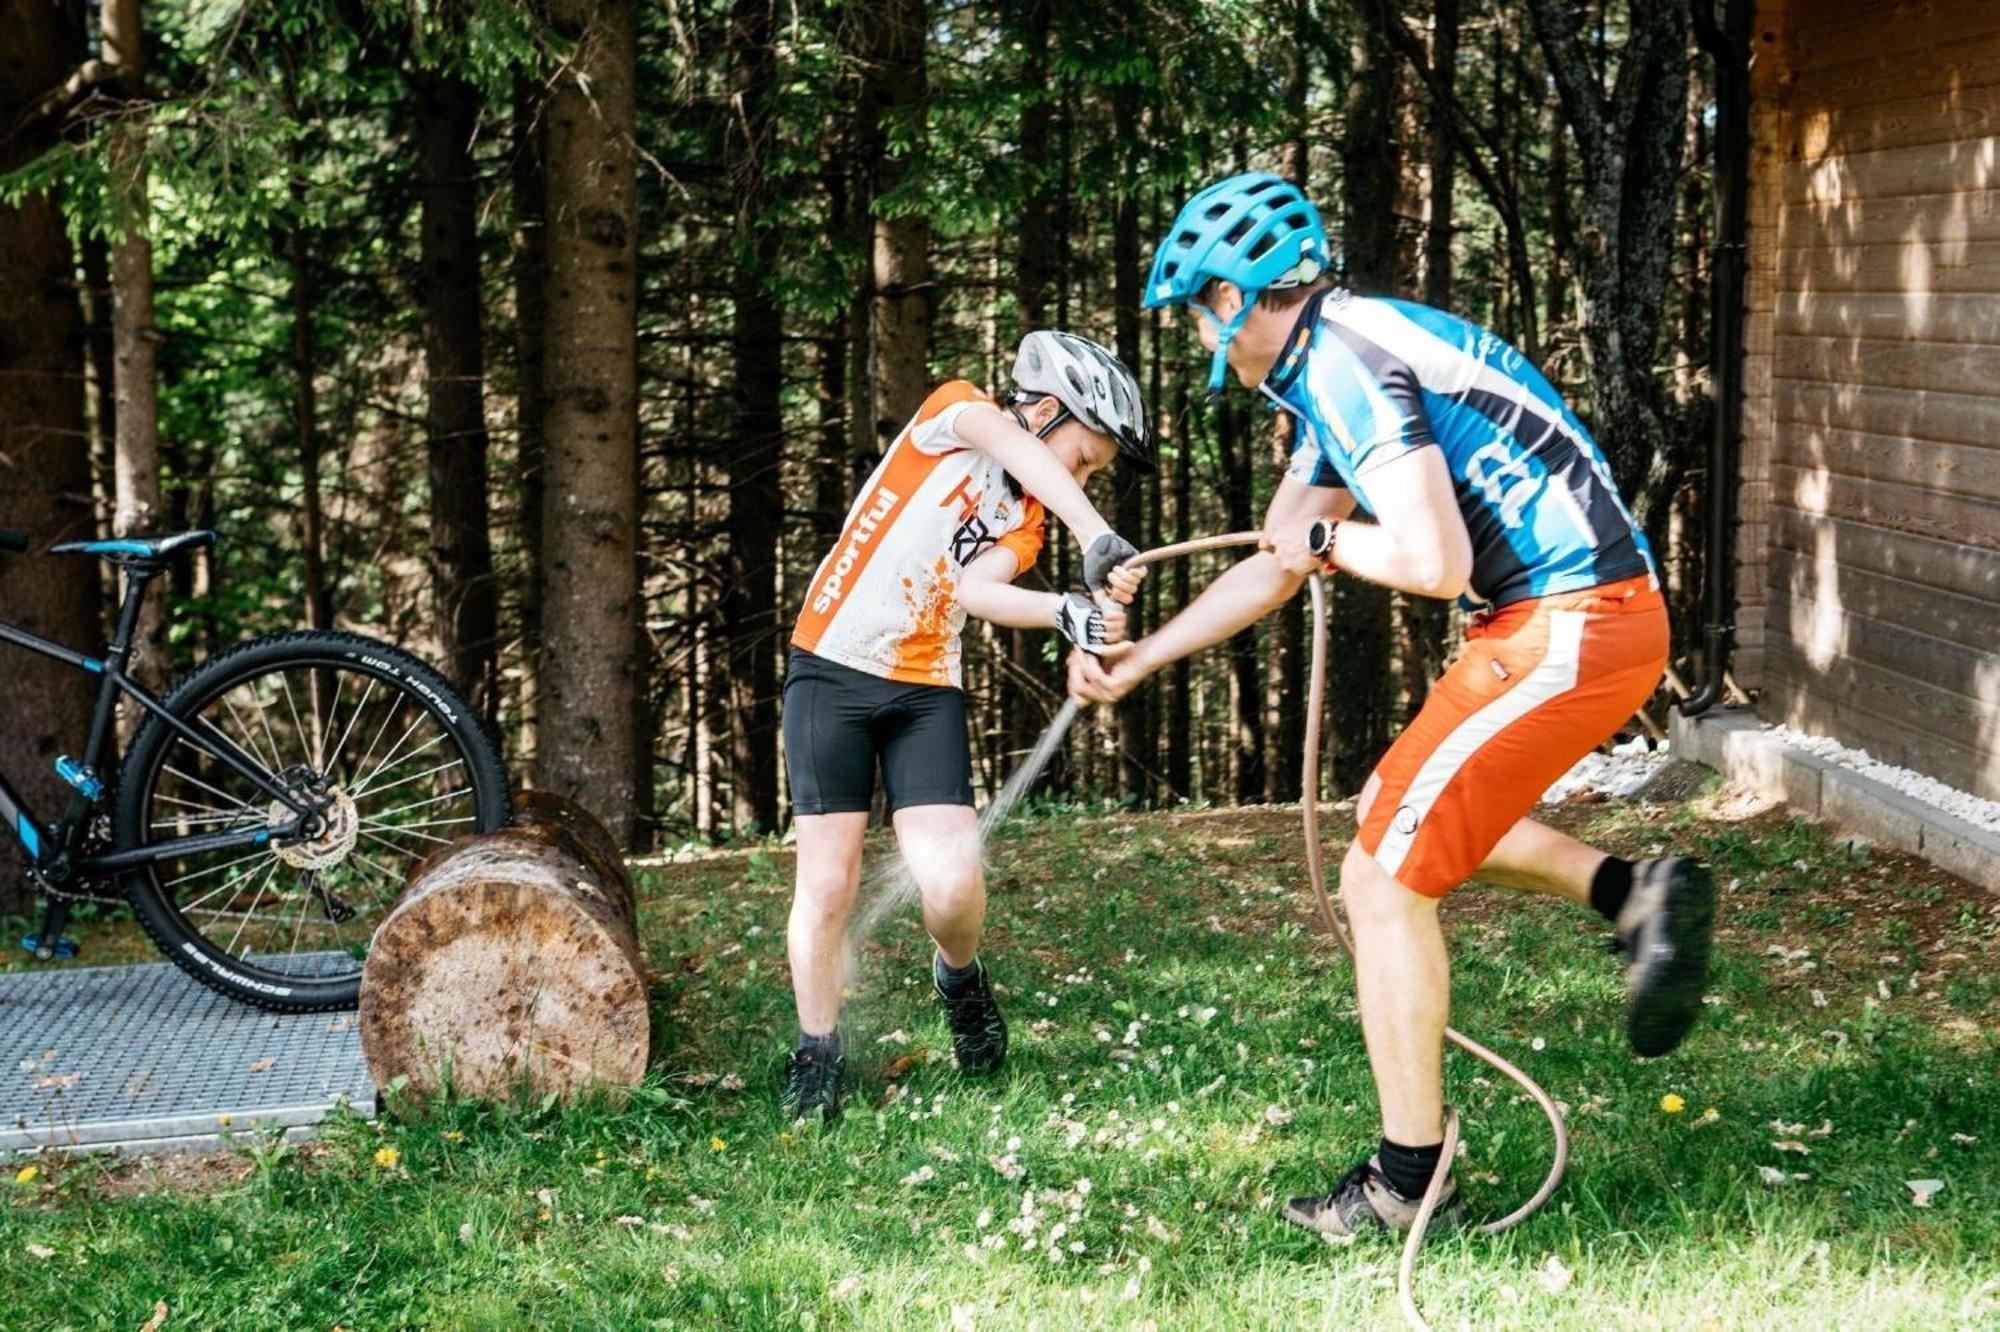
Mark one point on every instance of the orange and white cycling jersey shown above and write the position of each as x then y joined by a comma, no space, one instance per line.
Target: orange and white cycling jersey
885,598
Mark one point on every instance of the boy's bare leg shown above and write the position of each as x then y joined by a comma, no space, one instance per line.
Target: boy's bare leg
1537,859
1403,978
940,844
829,874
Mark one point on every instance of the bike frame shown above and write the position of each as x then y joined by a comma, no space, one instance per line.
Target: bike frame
51,850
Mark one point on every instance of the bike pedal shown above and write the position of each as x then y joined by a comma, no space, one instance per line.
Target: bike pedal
64,949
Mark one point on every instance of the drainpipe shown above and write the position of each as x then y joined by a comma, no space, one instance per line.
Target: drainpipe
1728,45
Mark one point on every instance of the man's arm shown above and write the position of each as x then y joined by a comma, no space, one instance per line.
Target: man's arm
1245,594
1029,461
1417,543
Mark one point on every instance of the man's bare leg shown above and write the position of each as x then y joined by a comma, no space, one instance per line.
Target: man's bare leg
1403,978
1536,858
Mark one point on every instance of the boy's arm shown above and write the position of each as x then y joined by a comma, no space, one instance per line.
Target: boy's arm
1028,461
986,591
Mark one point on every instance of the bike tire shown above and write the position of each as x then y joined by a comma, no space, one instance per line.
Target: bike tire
320,654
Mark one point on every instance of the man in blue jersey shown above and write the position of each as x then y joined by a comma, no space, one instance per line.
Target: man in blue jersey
1435,460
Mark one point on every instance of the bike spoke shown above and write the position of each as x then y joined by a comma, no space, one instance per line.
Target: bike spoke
250,737
374,837
382,730
225,817
411,827
359,708
396,756
250,912
204,873
421,804
196,781
405,781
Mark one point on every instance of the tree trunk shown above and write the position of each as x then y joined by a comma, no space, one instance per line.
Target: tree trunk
305,399
44,451
1629,145
100,384
1286,689
1137,747
1246,697
896,93
1033,271
1369,161
1358,661
530,271
1180,717
591,669
1422,621
461,565
756,494
511,965
136,433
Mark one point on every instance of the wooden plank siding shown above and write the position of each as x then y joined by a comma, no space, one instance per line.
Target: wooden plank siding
1869,548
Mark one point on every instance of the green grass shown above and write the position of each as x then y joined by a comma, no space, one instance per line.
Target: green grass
1185,1056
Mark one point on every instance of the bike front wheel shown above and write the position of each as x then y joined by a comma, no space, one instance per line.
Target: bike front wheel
393,758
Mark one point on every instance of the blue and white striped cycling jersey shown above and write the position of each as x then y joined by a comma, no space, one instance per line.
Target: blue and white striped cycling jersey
1375,379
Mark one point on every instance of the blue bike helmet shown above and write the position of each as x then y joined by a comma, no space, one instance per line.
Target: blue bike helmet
1255,231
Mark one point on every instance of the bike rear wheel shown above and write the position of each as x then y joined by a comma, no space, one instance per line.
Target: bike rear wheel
395,759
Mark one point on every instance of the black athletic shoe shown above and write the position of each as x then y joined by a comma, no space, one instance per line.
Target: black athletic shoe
812,1085
1664,930
978,1032
1364,1200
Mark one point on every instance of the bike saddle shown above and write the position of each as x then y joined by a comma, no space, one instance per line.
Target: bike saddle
138,547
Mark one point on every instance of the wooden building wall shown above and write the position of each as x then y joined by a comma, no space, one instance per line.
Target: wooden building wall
1869,552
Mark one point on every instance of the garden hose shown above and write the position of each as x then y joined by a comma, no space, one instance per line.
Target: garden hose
1316,875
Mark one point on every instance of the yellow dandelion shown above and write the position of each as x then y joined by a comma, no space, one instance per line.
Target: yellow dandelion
388,1157
1672,1104
452,1135
717,1145
27,1174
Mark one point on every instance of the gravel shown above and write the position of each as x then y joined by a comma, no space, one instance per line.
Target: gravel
1619,773
1960,804
1627,768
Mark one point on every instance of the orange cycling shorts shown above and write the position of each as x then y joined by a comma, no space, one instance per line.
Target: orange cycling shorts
1540,684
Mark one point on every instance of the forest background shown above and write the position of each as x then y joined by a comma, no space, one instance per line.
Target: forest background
552,340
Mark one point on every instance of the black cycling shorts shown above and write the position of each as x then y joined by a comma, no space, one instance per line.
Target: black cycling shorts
839,722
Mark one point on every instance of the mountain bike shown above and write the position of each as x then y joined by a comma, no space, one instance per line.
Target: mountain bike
269,806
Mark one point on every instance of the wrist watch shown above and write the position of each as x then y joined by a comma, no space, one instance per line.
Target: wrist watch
1319,540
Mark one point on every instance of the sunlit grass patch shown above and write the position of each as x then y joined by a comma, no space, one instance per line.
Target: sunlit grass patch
1185,1057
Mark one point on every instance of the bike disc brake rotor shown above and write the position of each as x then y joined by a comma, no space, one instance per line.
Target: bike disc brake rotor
336,840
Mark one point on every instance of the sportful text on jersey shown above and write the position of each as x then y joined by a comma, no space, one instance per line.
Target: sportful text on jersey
884,600
1375,379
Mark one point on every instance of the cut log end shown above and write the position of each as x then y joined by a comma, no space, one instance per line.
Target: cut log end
511,966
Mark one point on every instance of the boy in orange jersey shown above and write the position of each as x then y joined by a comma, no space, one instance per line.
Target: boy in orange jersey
951,516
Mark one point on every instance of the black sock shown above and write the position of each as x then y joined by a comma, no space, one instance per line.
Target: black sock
951,979
1409,1169
1610,886
821,1047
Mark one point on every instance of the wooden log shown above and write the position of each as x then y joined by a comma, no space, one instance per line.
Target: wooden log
510,966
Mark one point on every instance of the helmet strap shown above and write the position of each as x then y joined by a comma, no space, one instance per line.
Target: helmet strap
1063,413
1225,333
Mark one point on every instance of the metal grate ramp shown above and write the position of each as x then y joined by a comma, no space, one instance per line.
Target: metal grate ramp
142,1058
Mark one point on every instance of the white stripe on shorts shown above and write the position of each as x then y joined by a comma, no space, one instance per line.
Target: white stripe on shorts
1554,676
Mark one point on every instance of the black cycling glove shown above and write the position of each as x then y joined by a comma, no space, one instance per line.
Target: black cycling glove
1079,619
1103,555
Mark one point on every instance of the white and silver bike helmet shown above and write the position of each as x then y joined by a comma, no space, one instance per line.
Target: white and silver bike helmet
1092,384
